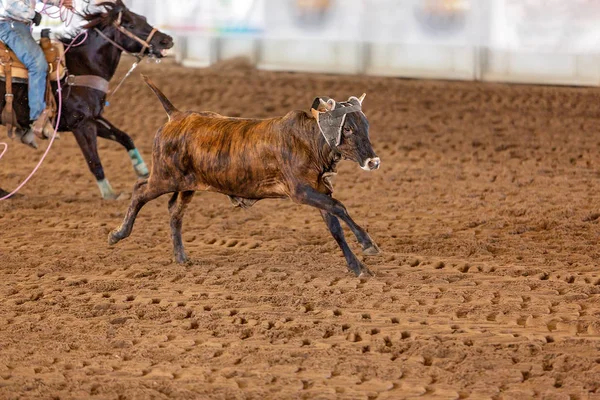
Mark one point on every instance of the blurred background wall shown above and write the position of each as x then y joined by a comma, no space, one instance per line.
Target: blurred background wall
535,41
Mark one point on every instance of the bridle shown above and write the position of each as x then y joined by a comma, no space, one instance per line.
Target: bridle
145,43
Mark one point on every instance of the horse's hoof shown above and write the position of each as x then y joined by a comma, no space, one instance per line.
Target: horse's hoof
141,170
142,173
4,193
123,196
114,196
372,250
110,196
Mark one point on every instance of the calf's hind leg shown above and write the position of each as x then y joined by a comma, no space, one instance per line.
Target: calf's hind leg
143,192
176,210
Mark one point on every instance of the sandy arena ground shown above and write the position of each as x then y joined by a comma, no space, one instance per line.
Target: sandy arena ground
486,208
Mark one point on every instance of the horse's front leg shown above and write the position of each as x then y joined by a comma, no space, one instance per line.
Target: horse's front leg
85,134
107,130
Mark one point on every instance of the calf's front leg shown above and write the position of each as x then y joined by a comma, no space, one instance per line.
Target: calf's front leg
312,197
335,228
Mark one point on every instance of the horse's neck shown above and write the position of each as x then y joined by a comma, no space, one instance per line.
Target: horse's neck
96,56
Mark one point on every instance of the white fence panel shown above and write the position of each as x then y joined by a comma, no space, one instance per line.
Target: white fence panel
548,68
543,41
416,38
316,36
534,41
231,47
311,55
422,61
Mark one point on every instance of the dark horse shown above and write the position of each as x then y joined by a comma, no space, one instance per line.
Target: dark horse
110,32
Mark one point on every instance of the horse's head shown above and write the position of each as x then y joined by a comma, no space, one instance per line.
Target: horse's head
131,31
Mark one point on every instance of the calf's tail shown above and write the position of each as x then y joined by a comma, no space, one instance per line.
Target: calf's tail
169,107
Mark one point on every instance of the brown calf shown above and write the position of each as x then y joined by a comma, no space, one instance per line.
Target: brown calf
250,159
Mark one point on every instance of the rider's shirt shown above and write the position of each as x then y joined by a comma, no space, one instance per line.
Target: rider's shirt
21,10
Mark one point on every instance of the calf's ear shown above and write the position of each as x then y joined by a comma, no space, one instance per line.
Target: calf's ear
323,104
356,100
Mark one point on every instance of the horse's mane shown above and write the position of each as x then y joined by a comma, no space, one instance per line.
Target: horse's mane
92,16
104,18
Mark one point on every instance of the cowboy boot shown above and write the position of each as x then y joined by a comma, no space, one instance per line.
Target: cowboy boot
42,127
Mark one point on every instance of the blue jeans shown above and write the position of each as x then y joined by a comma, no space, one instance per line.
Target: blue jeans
17,36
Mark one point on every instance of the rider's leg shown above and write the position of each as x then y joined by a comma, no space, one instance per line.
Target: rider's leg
30,53
10,36
18,37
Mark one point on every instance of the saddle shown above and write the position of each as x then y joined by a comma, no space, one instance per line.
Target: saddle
14,70
54,53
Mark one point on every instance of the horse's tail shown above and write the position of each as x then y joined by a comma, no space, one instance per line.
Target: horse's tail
169,107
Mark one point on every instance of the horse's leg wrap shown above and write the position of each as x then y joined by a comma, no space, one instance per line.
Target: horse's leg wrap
141,169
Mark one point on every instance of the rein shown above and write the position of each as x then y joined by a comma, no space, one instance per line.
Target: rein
103,86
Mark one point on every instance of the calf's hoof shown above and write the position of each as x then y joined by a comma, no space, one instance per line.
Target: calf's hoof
113,238
366,273
360,270
181,258
372,250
